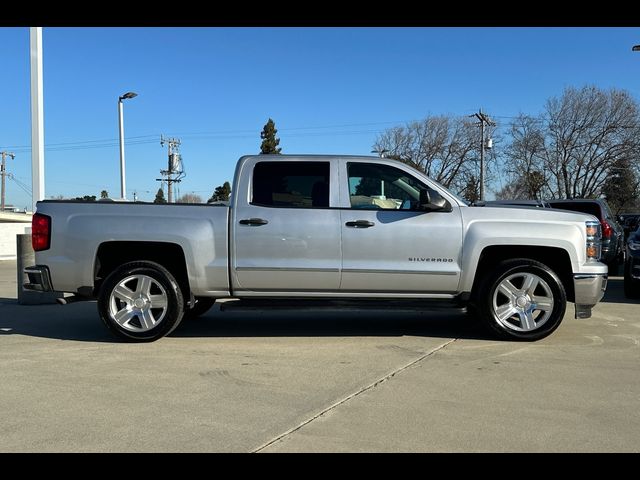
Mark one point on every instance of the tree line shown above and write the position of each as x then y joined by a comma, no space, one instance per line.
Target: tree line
584,144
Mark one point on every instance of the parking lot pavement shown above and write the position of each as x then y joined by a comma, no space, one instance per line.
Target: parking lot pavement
283,380
8,279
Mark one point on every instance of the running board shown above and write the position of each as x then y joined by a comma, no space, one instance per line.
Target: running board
316,304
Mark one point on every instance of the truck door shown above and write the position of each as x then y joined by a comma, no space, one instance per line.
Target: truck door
286,238
388,243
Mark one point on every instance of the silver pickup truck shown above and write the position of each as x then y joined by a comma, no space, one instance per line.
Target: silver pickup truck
320,227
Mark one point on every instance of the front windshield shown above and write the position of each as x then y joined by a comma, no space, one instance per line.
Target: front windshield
457,197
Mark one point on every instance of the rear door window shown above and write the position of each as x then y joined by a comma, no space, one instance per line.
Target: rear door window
291,184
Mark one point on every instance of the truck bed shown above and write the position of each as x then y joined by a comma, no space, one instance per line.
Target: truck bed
79,229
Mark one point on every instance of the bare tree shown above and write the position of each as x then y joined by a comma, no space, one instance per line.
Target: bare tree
524,186
575,143
446,148
190,198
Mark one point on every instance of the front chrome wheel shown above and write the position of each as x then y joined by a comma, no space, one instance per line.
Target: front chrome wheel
138,303
521,299
523,302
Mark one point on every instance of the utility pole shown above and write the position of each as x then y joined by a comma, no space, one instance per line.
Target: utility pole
3,173
483,120
174,165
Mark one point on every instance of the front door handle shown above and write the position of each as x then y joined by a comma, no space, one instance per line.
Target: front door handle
360,224
253,222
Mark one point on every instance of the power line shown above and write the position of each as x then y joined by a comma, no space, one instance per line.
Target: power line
245,133
296,132
22,186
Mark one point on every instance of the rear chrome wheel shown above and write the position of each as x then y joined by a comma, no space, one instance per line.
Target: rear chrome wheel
141,301
138,303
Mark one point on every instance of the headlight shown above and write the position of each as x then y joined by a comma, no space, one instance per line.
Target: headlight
634,244
594,239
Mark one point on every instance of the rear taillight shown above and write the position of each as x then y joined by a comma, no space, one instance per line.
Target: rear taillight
40,232
606,229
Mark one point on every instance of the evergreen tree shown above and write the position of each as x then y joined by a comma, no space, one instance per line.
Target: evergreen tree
269,140
221,193
160,197
622,187
471,191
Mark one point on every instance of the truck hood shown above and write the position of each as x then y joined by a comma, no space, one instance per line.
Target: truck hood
518,213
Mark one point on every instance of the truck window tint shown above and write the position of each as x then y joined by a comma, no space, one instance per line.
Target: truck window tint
291,184
373,186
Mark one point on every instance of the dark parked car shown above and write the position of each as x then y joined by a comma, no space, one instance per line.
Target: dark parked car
612,232
632,266
629,222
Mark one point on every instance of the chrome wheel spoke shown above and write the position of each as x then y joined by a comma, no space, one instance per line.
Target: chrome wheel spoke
124,316
146,319
526,320
124,294
530,284
508,289
505,311
144,285
543,303
158,301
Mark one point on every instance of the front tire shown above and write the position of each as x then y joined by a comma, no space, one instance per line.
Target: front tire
141,302
522,299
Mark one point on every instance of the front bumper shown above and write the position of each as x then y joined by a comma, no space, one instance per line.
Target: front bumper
39,278
589,289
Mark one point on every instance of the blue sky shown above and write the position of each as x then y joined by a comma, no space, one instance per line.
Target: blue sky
329,90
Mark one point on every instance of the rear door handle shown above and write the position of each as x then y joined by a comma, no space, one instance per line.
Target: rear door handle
253,222
360,224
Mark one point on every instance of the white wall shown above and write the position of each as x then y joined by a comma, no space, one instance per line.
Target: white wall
8,232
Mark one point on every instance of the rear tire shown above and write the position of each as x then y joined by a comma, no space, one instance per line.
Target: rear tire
141,302
522,299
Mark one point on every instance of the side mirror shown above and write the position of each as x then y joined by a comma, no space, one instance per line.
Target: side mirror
425,198
436,203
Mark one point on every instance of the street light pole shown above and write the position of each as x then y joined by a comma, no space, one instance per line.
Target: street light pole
123,187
